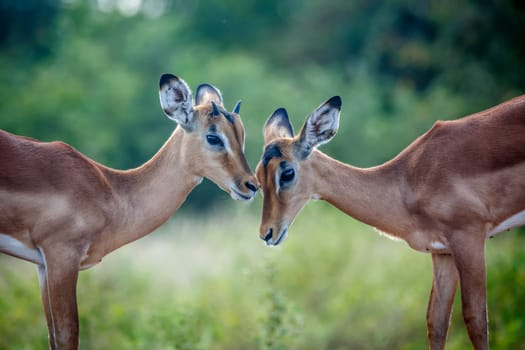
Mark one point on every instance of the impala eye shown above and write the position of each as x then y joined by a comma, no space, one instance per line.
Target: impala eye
287,176
214,140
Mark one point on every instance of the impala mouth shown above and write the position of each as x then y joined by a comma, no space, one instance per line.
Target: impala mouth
280,238
239,196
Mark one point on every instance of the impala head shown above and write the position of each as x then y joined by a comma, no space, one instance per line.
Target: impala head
285,171
213,138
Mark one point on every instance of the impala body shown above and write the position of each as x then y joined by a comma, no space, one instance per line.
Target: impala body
445,194
65,212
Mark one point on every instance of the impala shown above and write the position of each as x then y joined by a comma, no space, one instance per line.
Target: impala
64,212
456,185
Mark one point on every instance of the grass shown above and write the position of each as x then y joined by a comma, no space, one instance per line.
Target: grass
209,283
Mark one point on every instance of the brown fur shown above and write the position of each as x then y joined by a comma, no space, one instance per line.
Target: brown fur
443,195
69,211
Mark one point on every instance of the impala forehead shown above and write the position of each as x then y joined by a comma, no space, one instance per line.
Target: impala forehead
273,161
279,149
231,127
271,151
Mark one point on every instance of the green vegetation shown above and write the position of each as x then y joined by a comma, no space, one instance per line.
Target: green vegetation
86,72
212,284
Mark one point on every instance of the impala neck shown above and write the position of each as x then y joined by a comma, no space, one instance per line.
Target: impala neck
370,195
150,194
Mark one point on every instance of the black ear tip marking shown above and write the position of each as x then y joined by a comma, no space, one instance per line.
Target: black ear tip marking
279,114
165,79
335,102
282,111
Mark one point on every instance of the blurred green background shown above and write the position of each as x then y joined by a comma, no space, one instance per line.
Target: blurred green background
86,72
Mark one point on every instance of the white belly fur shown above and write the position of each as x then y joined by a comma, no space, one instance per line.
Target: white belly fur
13,247
515,220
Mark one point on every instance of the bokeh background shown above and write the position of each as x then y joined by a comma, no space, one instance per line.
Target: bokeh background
86,72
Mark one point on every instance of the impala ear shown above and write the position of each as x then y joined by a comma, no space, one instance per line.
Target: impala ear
277,126
207,93
176,100
319,127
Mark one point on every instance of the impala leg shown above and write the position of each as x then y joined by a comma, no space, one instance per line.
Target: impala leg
58,280
470,262
42,276
444,284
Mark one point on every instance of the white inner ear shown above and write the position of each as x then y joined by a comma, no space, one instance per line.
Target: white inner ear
322,126
208,96
175,99
326,118
274,131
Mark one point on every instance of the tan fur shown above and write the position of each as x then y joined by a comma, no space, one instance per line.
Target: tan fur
65,211
443,195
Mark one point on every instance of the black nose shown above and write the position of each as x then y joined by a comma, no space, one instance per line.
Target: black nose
268,235
250,186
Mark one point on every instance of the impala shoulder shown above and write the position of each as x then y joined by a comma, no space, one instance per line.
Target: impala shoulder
424,145
60,146
442,127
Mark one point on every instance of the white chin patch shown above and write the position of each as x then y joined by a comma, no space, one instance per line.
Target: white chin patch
280,239
239,196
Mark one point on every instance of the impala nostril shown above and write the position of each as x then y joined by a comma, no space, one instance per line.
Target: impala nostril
250,186
268,235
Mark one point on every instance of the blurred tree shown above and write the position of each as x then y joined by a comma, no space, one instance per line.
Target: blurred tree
228,24
412,41
29,25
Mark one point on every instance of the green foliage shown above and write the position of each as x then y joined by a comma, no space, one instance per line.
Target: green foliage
281,325
36,36
506,290
22,324
212,284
